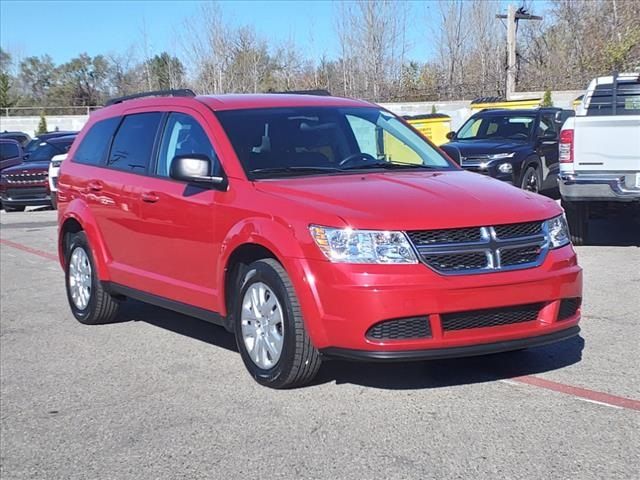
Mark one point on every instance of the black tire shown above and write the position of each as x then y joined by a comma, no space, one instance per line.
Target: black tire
15,208
102,307
531,180
299,360
577,214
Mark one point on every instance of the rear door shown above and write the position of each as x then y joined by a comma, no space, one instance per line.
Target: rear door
176,224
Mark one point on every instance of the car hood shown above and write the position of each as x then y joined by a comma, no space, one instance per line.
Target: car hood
27,167
411,200
485,147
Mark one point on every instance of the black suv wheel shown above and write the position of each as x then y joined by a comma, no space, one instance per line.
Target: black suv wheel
270,330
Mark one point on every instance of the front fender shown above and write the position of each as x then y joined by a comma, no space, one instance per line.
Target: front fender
79,211
289,250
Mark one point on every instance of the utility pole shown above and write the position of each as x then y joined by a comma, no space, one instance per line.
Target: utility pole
512,17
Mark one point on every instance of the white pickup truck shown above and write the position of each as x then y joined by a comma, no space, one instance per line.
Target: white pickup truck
600,152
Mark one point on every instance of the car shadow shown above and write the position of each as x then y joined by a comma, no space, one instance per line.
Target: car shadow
392,376
616,231
453,372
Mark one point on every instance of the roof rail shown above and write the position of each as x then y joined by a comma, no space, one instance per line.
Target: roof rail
318,92
183,92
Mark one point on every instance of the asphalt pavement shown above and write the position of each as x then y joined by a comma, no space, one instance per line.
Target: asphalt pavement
164,396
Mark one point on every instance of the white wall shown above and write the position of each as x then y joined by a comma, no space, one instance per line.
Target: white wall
30,124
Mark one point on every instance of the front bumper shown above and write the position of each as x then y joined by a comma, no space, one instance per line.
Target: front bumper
28,196
600,186
340,303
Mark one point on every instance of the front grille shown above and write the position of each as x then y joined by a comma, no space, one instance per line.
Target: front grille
401,328
26,178
457,262
490,317
519,256
453,235
518,230
568,308
26,193
482,249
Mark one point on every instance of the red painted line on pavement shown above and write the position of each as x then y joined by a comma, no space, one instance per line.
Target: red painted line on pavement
25,248
579,392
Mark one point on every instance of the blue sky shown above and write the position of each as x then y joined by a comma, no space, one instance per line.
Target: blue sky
63,29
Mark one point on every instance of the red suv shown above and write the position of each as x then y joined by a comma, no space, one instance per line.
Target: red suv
310,226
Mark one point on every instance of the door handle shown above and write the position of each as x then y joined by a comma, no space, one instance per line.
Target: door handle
150,197
95,186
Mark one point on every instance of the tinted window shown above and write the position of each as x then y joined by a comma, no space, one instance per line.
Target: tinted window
183,135
627,99
8,150
133,144
95,143
46,151
547,123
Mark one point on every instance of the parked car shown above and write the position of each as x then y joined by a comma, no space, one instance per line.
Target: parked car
54,169
519,147
44,137
600,153
10,153
22,138
27,184
283,218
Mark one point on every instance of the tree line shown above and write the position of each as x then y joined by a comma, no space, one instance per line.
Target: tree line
576,41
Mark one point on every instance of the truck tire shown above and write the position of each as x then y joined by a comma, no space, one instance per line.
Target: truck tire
269,328
577,214
89,302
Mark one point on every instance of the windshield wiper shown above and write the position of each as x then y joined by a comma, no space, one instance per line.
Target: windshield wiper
291,170
390,166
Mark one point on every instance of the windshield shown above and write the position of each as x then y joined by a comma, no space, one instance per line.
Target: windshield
492,127
279,142
45,151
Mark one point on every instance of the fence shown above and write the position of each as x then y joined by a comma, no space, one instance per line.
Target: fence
47,111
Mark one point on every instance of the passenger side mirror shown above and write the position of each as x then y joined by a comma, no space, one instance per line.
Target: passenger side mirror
194,168
451,135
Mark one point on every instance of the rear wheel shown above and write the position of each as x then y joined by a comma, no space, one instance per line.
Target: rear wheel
270,330
531,180
577,214
88,300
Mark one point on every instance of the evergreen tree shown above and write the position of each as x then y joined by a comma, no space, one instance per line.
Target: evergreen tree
42,125
547,101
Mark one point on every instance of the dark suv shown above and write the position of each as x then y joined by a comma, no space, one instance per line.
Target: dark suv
27,184
516,146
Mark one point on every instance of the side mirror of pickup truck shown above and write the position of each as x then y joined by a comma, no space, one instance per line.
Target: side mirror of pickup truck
194,168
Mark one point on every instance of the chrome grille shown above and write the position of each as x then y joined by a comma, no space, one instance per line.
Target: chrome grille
482,249
26,178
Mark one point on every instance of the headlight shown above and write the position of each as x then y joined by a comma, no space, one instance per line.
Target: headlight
501,156
345,245
558,232
505,167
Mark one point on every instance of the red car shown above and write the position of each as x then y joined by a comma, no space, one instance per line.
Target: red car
311,227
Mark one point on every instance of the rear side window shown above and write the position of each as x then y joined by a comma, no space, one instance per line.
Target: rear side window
627,98
95,143
133,144
8,150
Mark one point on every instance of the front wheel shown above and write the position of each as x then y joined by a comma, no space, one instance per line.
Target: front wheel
88,300
531,180
270,330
